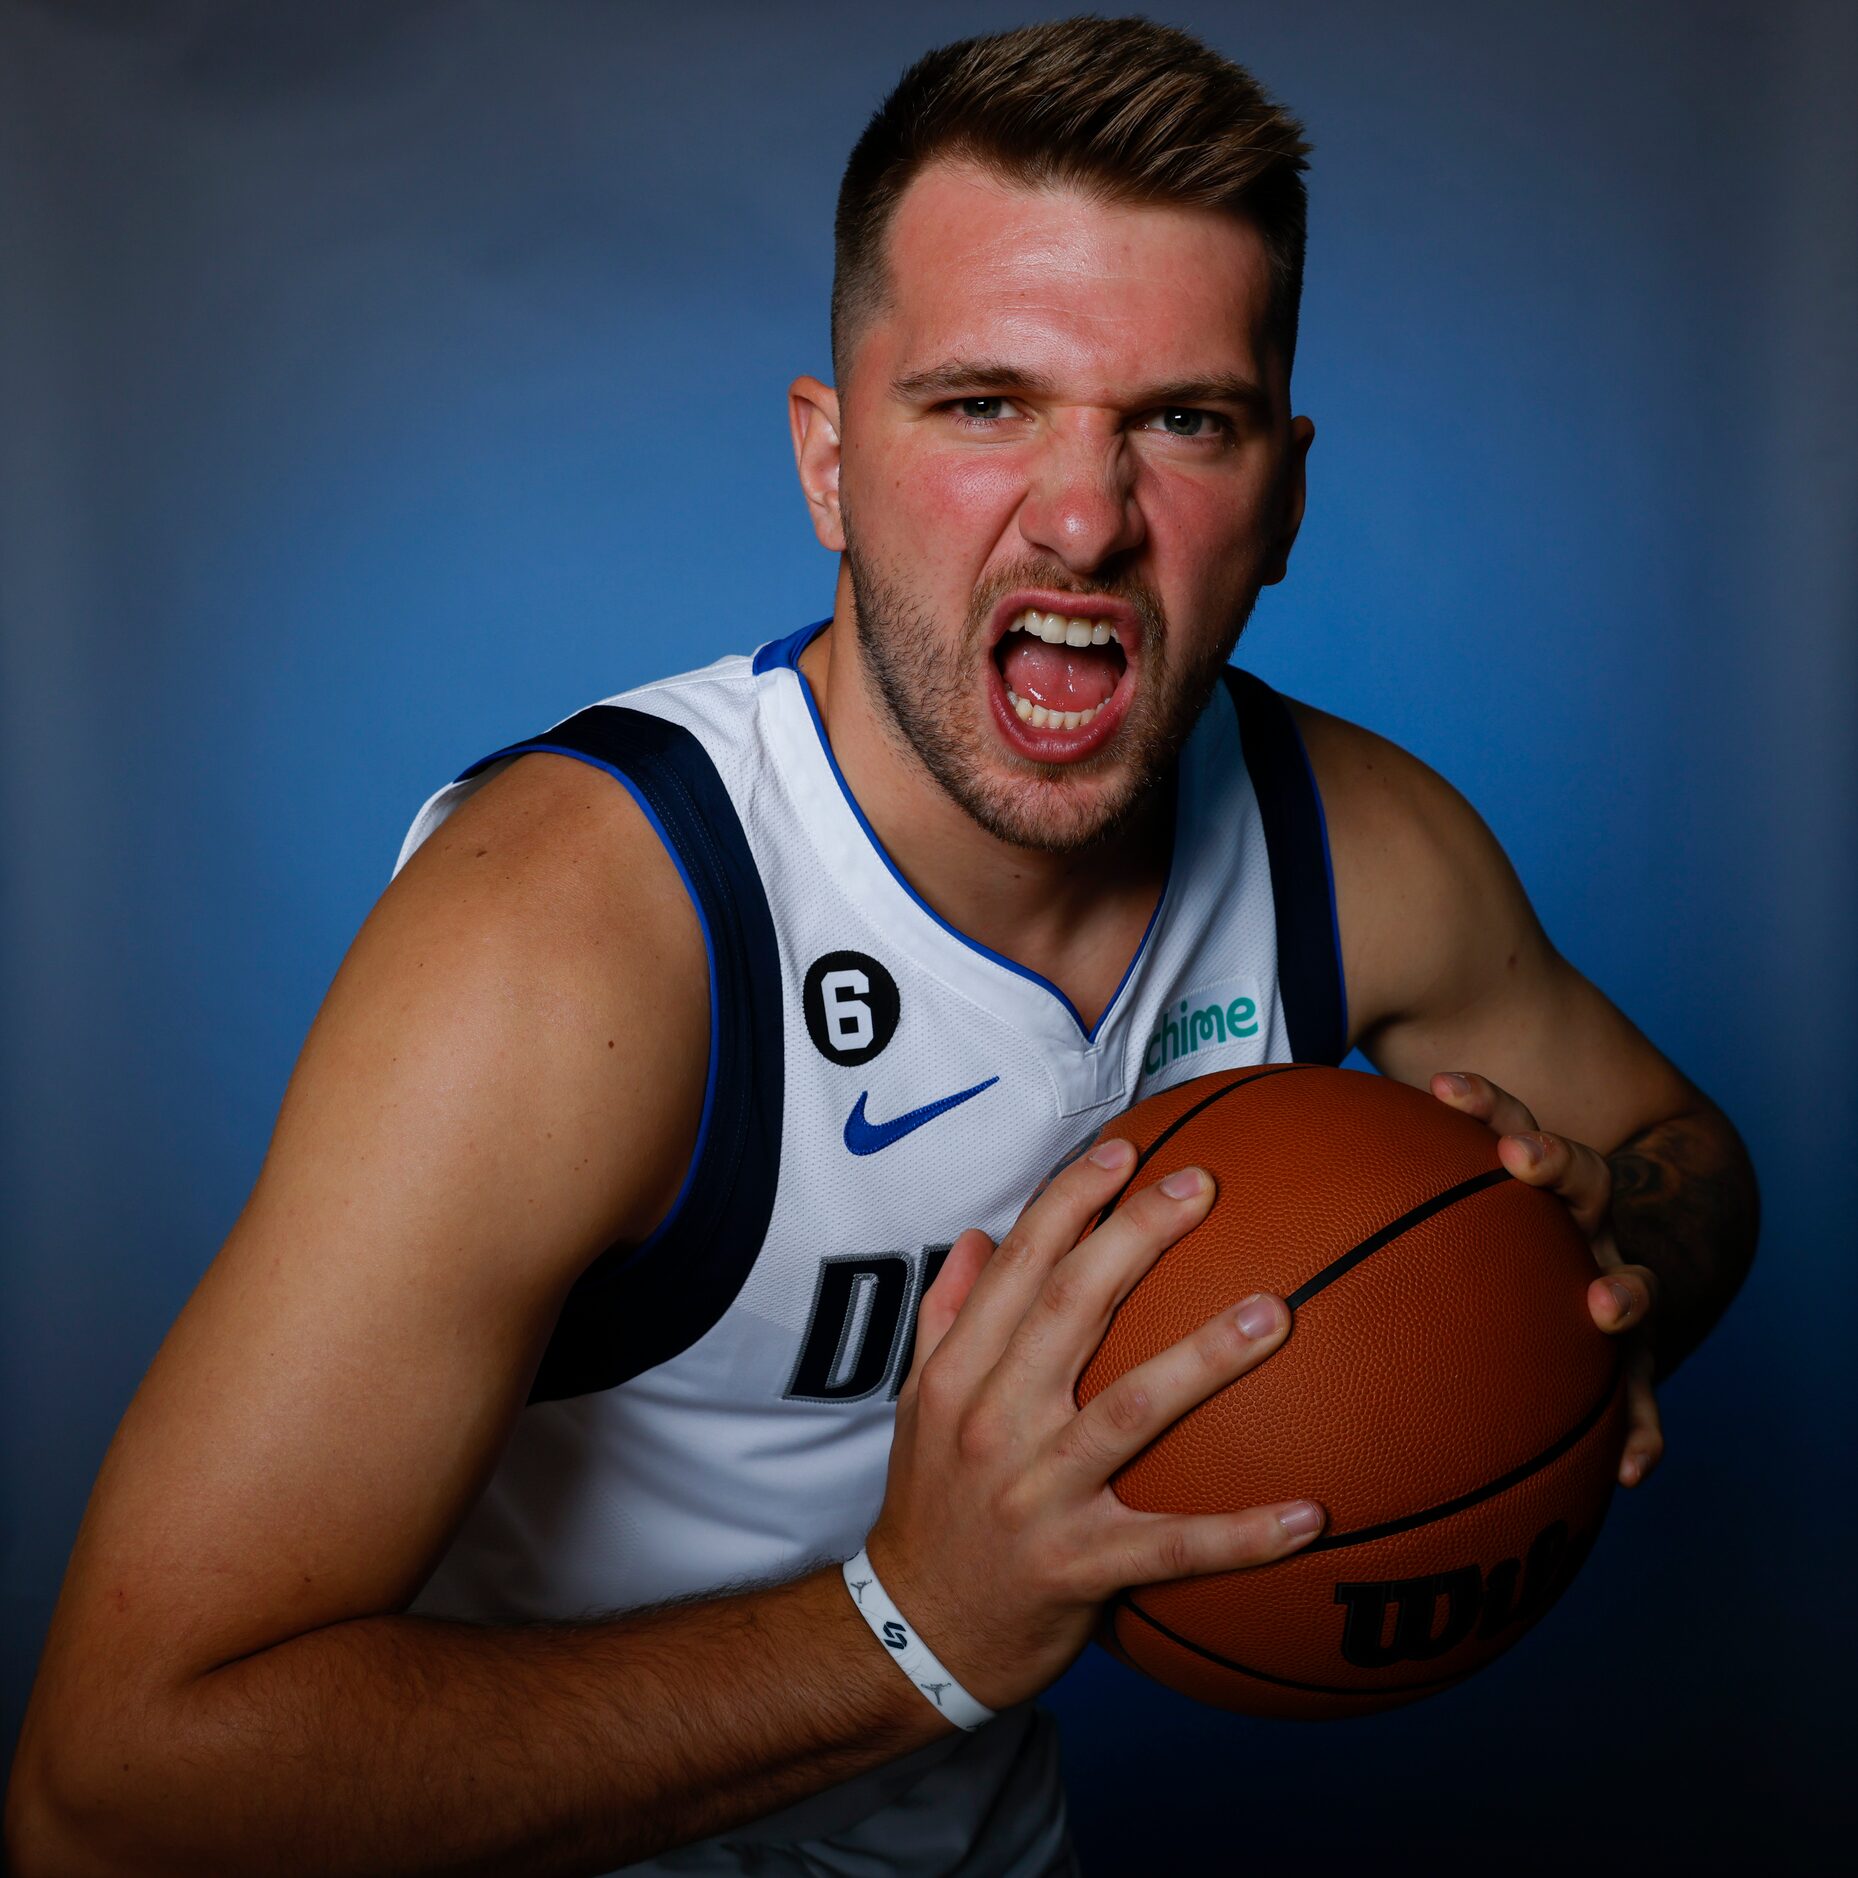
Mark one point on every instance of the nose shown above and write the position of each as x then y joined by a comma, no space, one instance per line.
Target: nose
1080,503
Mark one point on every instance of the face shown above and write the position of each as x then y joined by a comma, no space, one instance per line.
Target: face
1060,468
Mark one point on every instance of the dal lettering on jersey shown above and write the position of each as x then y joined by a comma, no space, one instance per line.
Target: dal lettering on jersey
1434,1614
861,1333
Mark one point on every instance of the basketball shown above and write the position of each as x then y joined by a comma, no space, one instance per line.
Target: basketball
1443,1393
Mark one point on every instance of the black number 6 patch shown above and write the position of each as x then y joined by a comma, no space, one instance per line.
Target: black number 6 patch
851,1006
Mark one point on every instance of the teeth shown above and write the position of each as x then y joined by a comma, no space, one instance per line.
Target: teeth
1041,719
1058,629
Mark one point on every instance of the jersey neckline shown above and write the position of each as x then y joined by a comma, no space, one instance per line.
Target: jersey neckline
785,654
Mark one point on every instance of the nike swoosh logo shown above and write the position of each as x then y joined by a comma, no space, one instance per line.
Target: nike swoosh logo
867,1137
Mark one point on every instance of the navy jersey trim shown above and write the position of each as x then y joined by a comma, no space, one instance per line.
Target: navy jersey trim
638,1306
778,653
1309,941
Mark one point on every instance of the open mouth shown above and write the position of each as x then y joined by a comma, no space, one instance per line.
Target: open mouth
1064,676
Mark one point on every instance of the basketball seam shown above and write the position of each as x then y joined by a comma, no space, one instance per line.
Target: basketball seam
1205,1103
1180,1121
1128,1603
1341,1266
1364,1535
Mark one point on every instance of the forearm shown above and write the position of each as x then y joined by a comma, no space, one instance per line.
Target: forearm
403,1744
1685,1206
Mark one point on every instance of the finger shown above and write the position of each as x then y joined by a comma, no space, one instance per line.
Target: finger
1623,1299
1471,1094
943,1300
1120,1421
1568,1169
1644,1447
1153,1548
1071,1309
1044,1232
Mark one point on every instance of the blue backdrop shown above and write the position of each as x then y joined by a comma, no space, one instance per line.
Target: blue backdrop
381,381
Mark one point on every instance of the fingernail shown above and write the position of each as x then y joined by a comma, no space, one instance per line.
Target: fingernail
1533,1148
1257,1316
1622,1296
1112,1154
1455,1083
1300,1519
1186,1185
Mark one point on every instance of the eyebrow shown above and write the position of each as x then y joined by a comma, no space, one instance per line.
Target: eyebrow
959,375
942,381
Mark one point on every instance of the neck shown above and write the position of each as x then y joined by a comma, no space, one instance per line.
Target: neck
1075,919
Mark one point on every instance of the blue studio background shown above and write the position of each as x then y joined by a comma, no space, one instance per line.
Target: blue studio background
379,381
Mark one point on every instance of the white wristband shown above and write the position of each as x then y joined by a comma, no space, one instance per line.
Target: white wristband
914,1657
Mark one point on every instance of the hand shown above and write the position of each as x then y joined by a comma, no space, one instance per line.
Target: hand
1622,1297
999,1537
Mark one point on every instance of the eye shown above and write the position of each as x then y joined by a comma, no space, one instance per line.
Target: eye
1184,421
982,413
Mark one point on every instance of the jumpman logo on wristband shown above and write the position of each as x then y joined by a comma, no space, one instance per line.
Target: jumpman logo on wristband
911,1654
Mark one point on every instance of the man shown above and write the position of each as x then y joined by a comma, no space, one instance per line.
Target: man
655,1094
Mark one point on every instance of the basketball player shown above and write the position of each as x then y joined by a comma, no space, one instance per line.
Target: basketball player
647,1228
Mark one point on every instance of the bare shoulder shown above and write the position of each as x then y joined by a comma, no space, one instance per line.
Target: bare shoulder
1378,792
543,934
1429,907
505,1077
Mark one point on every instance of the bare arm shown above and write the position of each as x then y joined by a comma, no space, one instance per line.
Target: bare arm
1685,1206
229,1682
1448,968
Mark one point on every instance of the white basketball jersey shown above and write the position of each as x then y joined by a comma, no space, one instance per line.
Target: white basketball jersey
715,1406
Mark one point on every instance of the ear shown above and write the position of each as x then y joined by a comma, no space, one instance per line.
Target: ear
813,414
1302,435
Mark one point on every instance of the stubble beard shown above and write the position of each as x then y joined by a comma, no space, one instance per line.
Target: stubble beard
928,693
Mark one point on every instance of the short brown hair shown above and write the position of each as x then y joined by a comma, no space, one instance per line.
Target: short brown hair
1127,109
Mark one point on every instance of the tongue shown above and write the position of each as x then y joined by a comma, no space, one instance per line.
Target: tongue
1062,678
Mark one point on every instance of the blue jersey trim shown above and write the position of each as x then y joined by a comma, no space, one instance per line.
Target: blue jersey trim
638,1305
786,652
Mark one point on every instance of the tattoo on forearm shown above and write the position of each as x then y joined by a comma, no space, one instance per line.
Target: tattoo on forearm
1685,1205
